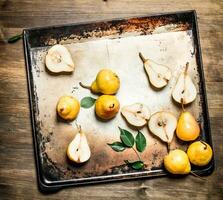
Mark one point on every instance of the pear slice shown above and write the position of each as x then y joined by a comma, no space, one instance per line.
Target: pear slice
184,91
78,150
163,124
158,74
136,114
58,59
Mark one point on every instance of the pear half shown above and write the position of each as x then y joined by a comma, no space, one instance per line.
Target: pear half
78,150
163,124
158,74
184,91
58,59
136,114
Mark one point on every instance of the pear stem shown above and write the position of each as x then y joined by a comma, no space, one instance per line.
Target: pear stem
142,57
84,86
145,60
194,174
168,147
204,144
78,127
182,104
136,153
186,68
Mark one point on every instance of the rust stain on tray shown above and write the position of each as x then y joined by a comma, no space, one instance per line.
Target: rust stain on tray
116,29
116,46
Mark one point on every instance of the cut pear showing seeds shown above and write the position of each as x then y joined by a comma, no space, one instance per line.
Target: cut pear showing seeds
78,150
163,124
58,59
184,91
136,114
158,74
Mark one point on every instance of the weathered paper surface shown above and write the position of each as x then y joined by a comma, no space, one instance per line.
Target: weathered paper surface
173,49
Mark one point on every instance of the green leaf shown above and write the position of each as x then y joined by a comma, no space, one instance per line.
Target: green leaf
140,142
117,146
87,102
15,38
126,137
135,165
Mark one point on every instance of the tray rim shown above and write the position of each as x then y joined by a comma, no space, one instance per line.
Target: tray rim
46,186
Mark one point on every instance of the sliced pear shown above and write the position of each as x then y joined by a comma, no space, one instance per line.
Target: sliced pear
158,74
163,124
58,59
78,150
136,114
184,91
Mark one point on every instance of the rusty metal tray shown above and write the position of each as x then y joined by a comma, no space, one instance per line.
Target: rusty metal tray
171,39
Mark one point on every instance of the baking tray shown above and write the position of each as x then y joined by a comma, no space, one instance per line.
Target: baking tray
171,39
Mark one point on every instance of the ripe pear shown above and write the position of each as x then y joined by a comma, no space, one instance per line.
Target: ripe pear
184,91
177,162
78,150
136,114
58,59
158,74
187,127
107,106
200,153
163,124
106,82
68,107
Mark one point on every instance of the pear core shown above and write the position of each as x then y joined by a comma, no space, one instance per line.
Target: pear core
78,150
58,59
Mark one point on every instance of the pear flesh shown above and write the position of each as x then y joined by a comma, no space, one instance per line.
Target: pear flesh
158,74
136,114
184,91
58,59
78,150
163,124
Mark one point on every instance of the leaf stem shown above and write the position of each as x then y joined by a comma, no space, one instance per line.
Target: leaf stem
15,38
136,153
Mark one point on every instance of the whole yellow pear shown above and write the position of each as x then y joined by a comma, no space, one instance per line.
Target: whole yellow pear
107,106
199,153
177,162
68,107
107,82
187,127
